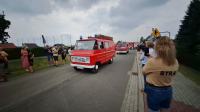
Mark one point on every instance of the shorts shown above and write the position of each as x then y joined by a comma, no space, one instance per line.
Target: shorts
63,57
158,98
55,58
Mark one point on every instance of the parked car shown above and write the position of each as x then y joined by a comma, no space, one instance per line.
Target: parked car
122,47
92,52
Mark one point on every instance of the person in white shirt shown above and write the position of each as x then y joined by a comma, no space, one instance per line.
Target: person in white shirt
145,53
152,53
55,55
69,53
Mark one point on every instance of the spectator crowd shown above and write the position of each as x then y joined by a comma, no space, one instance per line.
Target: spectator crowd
53,53
56,55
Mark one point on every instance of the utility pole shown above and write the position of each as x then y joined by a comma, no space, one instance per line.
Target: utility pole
70,37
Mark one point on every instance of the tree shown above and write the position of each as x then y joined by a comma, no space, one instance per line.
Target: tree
188,37
4,24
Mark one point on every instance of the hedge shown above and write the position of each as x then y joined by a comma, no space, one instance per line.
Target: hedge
14,53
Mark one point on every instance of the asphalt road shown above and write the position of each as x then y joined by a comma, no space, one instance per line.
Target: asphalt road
61,89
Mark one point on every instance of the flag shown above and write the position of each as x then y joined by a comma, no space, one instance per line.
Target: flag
43,39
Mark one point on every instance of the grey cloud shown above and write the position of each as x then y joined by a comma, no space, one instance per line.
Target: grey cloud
127,7
131,13
28,7
77,4
34,7
152,3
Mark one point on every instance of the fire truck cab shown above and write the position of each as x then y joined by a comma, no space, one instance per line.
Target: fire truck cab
92,52
122,47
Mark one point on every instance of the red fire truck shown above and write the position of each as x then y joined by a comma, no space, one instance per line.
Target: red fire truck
91,52
122,47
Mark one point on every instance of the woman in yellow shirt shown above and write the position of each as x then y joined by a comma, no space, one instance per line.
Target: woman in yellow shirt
160,72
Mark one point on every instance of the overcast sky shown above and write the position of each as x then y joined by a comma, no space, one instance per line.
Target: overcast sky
58,20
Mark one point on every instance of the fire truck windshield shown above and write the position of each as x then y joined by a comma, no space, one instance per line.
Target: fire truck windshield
84,45
121,45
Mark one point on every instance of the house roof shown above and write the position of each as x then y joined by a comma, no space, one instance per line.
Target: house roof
31,45
8,45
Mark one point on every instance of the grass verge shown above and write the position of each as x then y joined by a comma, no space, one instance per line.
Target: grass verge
190,73
15,69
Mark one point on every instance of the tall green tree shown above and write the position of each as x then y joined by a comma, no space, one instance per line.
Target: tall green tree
4,24
188,37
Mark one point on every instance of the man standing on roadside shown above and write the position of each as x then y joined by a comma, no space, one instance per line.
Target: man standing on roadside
49,54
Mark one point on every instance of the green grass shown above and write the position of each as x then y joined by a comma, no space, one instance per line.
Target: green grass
190,73
15,69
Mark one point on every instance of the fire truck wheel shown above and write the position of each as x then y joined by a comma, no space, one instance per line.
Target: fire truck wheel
95,69
110,61
75,68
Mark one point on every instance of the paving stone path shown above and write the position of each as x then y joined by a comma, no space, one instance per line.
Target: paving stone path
130,103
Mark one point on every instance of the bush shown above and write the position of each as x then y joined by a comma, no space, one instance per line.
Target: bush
15,53
40,51
189,59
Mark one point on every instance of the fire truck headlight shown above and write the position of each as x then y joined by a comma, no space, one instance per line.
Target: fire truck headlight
87,59
72,58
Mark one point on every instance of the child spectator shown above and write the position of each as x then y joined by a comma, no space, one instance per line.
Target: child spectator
30,59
